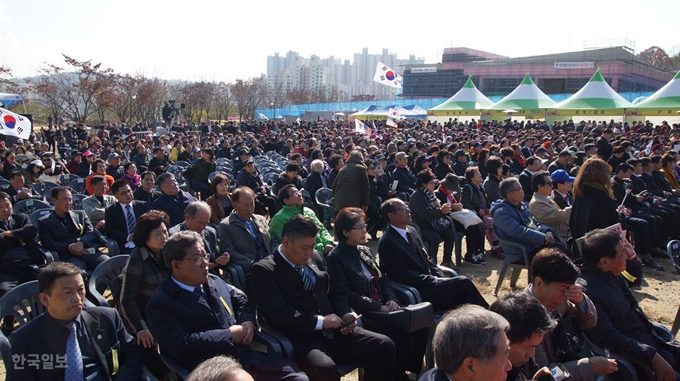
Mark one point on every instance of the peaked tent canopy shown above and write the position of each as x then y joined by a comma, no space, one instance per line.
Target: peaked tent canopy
382,112
527,96
596,95
9,100
666,101
467,99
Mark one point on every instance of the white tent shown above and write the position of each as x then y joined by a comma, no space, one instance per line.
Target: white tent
526,96
467,101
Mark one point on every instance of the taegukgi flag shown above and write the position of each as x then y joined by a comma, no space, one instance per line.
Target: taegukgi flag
12,124
386,76
361,128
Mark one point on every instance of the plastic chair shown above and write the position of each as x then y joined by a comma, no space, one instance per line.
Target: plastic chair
29,206
4,182
77,200
43,188
182,163
286,349
516,268
107,276
78,185
65,179
35,215
673,249
324,199
212,175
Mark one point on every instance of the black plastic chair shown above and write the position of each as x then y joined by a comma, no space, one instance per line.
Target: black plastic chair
35,215
286,349
212,175
107,276
4,182
66,178
78,185
43,189
29,206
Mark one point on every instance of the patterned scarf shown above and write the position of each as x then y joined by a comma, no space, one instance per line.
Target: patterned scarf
432,201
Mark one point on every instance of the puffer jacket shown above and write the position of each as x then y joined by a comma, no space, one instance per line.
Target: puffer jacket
512,223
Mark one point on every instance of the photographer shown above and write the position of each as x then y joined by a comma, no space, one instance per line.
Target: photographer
167,114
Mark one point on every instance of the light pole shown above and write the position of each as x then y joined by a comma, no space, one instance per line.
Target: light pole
272,106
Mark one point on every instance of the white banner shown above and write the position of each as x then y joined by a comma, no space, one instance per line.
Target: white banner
387,76
12,124
574,65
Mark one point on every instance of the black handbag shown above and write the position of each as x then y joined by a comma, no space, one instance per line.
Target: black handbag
440,223
411,318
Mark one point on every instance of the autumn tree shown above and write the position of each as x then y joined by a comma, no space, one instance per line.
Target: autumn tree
222,100
77,86
654,56
6,84
248,96
297,96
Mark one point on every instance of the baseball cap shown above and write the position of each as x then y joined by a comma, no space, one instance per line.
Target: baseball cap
561,175
88,153
400,155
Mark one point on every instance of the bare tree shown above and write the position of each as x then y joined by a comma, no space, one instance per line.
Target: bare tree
78,88
6,84
297,96
222,100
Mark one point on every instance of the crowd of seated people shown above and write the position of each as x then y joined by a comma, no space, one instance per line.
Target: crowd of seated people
403,186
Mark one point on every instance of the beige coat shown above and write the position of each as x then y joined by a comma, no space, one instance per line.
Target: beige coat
549,213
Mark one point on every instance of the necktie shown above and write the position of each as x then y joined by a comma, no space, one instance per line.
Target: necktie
198,290
411,241
130,219
74,360
567,198
306,280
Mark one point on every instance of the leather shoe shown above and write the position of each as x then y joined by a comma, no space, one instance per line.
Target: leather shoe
498,253
659,253
652,264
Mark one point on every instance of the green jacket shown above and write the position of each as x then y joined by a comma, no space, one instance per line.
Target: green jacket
287,212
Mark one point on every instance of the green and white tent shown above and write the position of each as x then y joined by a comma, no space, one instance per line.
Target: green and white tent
665,102
467,101
595,98
527,96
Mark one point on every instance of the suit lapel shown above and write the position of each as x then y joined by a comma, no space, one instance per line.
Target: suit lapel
97,335
287,269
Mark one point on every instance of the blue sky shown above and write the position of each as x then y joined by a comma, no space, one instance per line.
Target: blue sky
225,40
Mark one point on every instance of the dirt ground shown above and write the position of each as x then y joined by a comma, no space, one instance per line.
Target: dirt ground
659,295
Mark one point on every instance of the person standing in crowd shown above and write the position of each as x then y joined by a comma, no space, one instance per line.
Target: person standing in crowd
351,188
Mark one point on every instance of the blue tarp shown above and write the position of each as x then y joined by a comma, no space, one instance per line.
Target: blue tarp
9,100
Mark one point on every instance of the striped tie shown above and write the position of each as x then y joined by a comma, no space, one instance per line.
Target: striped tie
130,218
306,280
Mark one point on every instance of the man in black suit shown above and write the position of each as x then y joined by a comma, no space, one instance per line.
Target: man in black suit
404,259
73,342
20,256
17,189
195,315
291,289
196,218
70,233
120,217
534,164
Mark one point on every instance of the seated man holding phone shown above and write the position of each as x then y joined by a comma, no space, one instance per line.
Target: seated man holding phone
291,289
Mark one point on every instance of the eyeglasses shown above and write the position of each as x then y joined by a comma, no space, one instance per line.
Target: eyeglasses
517,190
548,183
199,259
361,228
404,207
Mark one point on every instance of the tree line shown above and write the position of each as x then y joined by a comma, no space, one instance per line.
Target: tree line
88,92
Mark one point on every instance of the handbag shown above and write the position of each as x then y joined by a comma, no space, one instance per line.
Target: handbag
570,341
411,318
440,223
466,217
